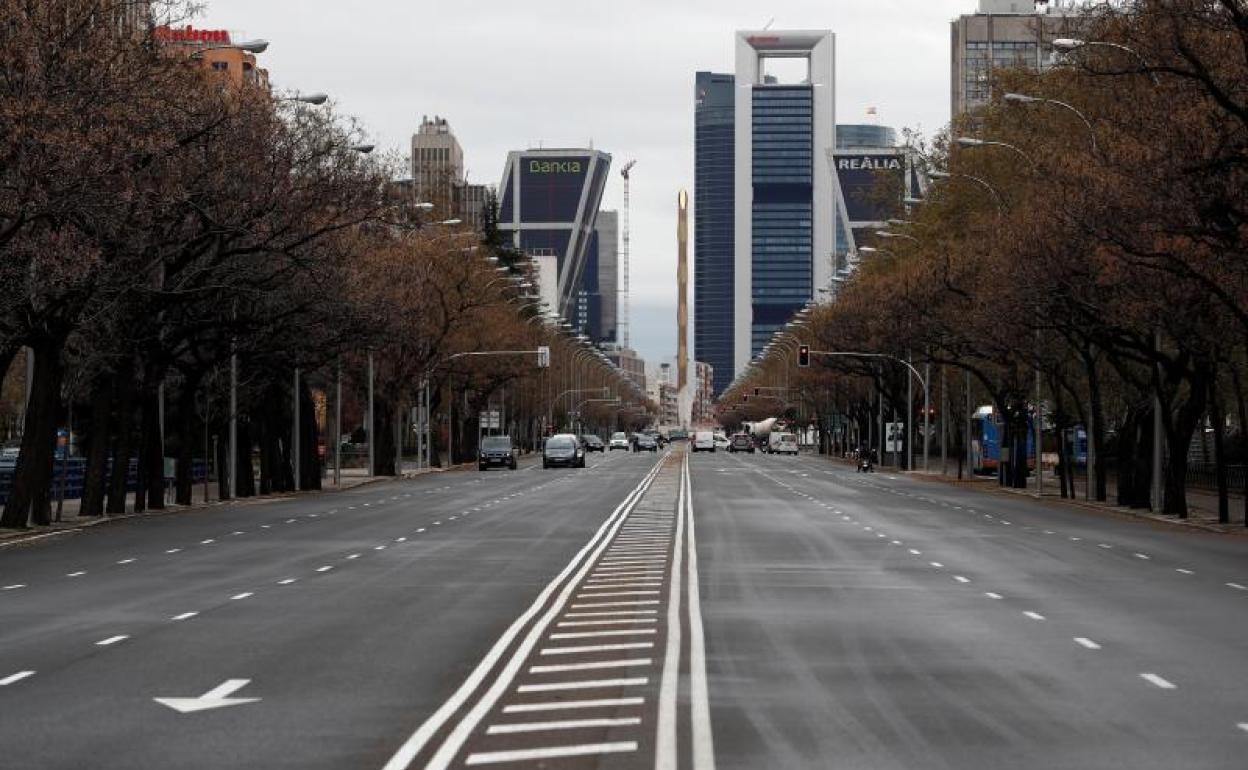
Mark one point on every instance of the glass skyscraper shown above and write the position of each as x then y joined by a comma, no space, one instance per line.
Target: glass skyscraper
713,251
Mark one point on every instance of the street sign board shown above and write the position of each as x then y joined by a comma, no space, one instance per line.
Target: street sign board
491,418
894,436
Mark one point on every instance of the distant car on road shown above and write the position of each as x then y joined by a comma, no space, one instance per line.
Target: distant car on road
496,450
781,443
678,434
703,441
563,449
647,443
619,440
593,443
721,441
741,442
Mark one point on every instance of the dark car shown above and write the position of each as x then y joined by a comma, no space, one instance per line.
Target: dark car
647,443
496,450
563,449
741,442
593,443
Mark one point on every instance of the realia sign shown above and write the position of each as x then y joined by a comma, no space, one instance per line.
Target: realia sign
189,34
873,184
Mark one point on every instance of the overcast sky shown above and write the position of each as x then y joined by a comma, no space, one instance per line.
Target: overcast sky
511,74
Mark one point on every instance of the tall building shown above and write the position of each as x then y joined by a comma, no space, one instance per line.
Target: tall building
1003,34
630,364
596,300
437,162
714,259
549,205
783,186
703,394
866,158
213,49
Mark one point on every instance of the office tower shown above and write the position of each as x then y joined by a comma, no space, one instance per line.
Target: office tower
714,260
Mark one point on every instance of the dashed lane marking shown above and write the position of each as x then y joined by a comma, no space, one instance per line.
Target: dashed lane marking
184,616
1083,641
560,668
15,678
584,648
527,708
584,684
564,724
1034,615
1157,681
112,640
553,752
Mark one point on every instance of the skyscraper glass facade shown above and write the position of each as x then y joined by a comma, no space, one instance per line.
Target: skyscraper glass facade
713,240
782,209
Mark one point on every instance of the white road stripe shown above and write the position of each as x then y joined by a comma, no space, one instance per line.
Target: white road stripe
79,573
326,568
1185,571
916,552
991,595
565,724
112,640
525,708
595,634
1158,681
937,565
1243,726
580,649
558,668
127,561
1034,615
610,594
613,604
184,616
700,708
244,595
209,541
1237,586
286,582
554,752
14,678
611,614
174,550
579,623
961,579
1142,556
1083,641
584,684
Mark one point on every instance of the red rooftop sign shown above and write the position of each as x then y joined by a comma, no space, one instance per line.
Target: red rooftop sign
189,34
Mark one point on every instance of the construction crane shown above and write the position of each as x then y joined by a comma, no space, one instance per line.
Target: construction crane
622,300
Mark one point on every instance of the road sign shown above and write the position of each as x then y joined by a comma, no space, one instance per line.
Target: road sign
491,419
543,357
217,697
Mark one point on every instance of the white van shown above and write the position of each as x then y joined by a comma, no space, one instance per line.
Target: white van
703,441
781,443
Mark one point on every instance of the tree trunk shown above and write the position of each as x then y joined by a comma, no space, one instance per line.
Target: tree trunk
119,476
246,484
184,481
32,478
309,440
151,491
1243,428
381,433
1218,416
96,473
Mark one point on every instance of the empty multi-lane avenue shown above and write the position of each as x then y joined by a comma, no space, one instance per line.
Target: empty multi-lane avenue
652,610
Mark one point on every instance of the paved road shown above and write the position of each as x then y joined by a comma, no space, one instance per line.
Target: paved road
657,611
873,621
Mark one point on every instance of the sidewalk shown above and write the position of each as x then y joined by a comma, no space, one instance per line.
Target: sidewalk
1202,505
71,521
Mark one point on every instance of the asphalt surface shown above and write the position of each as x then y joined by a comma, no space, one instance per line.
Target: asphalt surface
652,610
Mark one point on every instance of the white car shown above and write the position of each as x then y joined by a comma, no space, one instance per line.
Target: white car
721,441
781,443
619,441
703,441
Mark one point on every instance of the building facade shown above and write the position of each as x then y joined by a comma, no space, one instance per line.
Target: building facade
1002,34
549,205
783,187
703,412
212,49
630,364
437,164
596,300
714,257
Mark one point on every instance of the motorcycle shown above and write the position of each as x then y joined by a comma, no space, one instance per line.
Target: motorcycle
865,465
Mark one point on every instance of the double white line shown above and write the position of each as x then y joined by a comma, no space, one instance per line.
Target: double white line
564,583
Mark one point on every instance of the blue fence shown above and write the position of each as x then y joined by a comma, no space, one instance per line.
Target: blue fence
74,472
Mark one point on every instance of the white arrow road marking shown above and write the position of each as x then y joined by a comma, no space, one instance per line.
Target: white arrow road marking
214,698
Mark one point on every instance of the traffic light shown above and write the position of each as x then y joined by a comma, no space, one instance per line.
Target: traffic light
756,391
803,355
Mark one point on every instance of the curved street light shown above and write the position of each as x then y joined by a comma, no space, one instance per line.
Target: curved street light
1016,98
967,141
996,196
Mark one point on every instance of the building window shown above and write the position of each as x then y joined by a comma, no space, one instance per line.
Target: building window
221,66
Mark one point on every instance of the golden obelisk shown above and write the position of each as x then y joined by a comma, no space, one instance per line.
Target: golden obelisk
682,304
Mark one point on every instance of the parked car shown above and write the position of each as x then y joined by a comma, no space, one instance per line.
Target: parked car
781,443
496,450
593,443
647,443
721,441
741,442
619,440
703,441
563,449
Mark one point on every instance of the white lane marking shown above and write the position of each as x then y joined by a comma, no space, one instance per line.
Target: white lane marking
184,616
612,594
937,565
1049,532
1237,586
243,595
400,540
564,724
916,552
558,668
79,573
353,556
612,613
560,588
326,568
238,532
552,752
1243,726
291,521
112,640
174,550
1033,615
524,708
700,716
1076,539
615,571
625,622
1106,546
1003,521
286,582
422,529
1142,556
895,542
1185,571
579,649
961,579
1157,681
14,678
991,595
379,548
209,541
1084,641
597,634
584,684
127,561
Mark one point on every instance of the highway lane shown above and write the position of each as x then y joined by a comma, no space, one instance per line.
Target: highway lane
350,626
879,622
